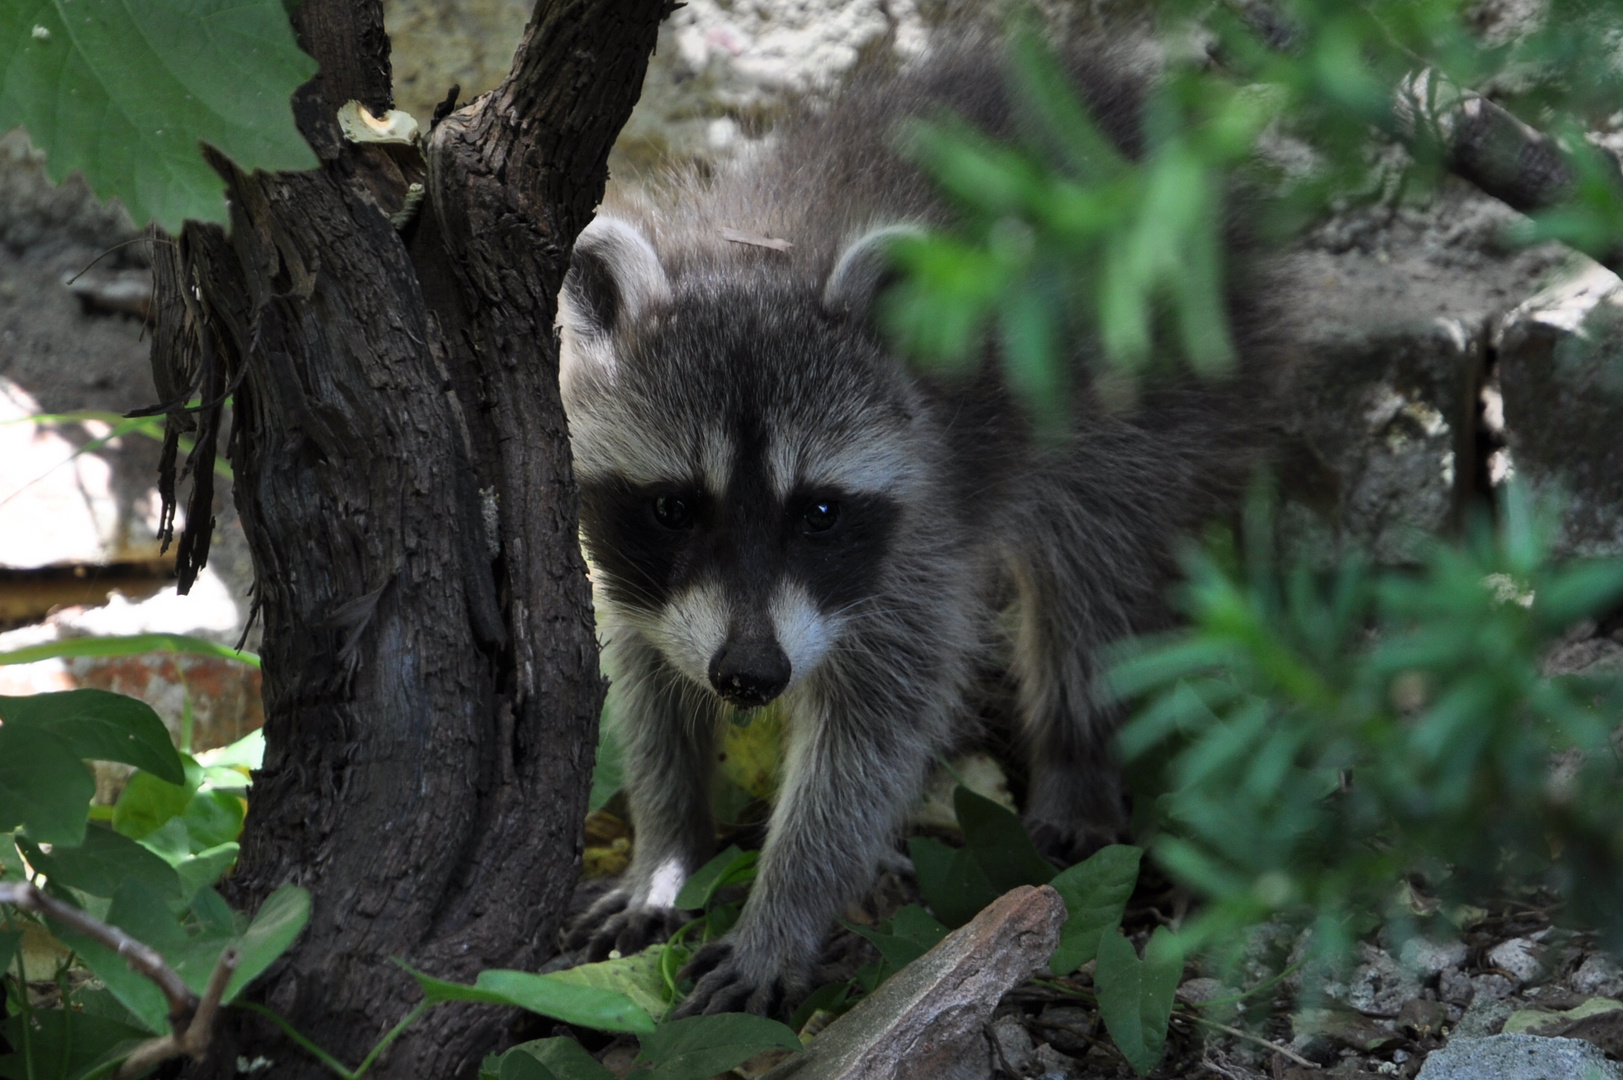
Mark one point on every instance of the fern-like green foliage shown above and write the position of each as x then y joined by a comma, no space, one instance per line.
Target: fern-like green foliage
1324,738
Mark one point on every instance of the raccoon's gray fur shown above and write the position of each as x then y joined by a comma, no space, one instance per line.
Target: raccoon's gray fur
776,507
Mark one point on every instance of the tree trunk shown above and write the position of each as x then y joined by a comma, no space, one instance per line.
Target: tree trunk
403,474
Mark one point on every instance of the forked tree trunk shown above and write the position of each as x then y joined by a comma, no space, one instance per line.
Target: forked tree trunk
403,474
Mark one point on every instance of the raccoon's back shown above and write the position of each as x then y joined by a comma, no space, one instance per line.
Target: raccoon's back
831,172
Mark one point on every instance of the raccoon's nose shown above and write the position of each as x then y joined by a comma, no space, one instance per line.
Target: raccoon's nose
749,673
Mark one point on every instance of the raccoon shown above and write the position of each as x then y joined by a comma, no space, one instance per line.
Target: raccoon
777,508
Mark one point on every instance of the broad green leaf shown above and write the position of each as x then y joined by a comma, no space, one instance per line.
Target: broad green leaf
43,786
573,1003
214,818
101,726
638,977
731,867
205,868
516,1066
102,862
950,879
699,1047
998,842
1095,893
562,1058
275,927
125,644
1135,996
149,802
247,752
74,1044
140,912
906,937
125,92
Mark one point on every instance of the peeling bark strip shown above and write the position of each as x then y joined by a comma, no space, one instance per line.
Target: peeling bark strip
431,690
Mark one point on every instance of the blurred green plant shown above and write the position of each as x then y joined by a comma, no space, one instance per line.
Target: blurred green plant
1263,119
1324,738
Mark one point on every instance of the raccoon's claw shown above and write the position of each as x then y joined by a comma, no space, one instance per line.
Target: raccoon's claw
724,985
613,925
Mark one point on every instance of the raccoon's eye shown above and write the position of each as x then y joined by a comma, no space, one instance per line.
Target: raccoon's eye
674,511
820,516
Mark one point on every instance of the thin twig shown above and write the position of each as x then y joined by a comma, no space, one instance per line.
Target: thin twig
194,1041
141,958
1237,1033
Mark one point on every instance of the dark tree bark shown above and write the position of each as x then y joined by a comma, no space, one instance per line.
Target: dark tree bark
403,474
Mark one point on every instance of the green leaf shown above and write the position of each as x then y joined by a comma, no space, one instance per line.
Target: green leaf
564,1059
125,92
140,912
149,802
276,926
731,867
638,977
73,1043
205,868
1095,893
699,1047
1135,996
101,726
44,787
548,995
125,644
101,862
999,843
950,879
214,818
906,937
247,752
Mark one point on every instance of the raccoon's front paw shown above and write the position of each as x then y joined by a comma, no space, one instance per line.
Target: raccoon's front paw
728,984
615,924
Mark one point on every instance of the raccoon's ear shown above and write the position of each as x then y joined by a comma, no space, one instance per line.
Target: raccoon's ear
615,278
862,269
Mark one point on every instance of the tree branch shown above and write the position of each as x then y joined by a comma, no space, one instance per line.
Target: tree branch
191,1018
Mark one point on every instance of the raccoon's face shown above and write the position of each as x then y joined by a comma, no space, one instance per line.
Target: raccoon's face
745,458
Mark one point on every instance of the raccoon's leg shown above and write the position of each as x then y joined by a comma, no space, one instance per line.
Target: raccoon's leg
667,732
1080,588
853,765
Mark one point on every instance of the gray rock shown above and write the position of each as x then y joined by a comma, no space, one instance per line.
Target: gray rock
1429,959
1485,1016
1518,1057
929,1020
1562,383
1053,1065
1379,417
1491,987
1454,986
1012,1047
1379,985
1600,975
1523,958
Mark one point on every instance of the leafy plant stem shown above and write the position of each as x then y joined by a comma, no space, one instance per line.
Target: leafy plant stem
309,1047
28,1014
1067,988
1239,1034
394,1033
